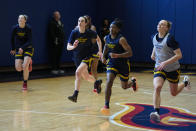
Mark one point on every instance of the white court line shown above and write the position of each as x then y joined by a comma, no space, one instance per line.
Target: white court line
53,113
145,91
184,94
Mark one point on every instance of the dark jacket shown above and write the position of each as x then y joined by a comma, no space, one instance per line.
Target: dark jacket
56,32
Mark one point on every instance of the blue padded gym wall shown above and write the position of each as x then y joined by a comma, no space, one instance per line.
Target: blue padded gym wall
39,15
184,28
193,47
140,22
132,26
148,19
166,10
140,18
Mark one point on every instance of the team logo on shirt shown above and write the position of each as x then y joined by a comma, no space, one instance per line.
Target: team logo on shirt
158,46
21,34
82,40
111,45
137,116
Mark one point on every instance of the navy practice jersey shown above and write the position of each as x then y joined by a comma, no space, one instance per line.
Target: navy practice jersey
21,37
84,48
115,47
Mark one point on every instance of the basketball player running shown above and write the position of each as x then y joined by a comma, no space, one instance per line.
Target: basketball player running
118,51
166,53
80,41
96,48
21,40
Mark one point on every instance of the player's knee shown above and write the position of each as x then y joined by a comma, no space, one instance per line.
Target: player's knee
124,86
78,73
158,88
173,93
25,66
18,68
109,81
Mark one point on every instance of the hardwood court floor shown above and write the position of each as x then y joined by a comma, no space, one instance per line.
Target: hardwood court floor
45,107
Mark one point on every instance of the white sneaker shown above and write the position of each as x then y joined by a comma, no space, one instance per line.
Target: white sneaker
154,116
54,72
61,71
187,82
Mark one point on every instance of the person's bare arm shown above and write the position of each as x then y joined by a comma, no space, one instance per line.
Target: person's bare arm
126,47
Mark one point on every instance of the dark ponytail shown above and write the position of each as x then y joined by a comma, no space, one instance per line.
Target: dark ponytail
117,22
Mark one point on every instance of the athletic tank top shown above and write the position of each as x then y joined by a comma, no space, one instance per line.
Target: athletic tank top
163,53
115,47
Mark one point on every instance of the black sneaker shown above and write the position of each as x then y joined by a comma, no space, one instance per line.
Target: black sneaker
72,98
97,86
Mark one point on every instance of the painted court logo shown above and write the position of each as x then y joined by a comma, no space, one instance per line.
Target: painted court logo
137,116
